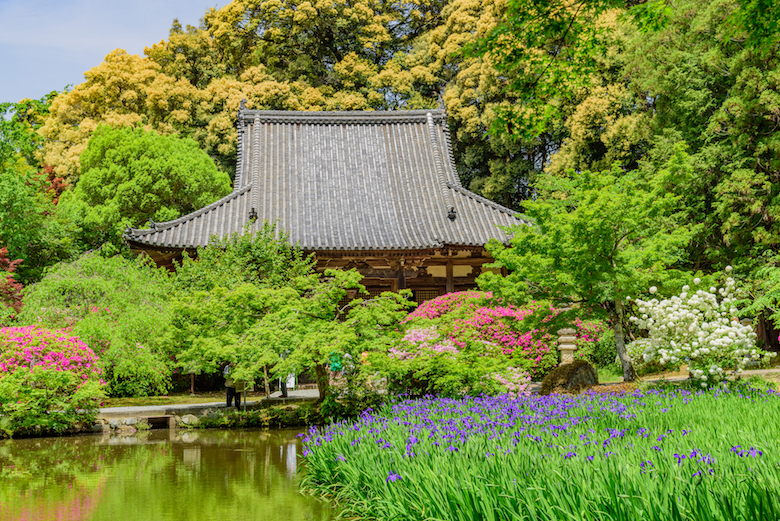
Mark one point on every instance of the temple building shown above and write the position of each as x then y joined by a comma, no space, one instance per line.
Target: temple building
377,191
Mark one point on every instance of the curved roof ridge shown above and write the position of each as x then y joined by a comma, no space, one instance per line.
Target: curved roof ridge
484,201
339,116
136,232
449,201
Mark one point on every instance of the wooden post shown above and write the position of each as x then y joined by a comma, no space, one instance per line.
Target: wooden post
450,284
401,278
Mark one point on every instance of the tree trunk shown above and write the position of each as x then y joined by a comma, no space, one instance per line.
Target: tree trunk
629,374
265,382
323,380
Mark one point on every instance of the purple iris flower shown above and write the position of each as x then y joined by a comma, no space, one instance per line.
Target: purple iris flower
392,477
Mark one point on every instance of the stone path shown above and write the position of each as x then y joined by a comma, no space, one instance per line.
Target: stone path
772,374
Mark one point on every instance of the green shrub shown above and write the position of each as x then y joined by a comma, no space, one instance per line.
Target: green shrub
474,321
120,307
596,343
49,382
427,362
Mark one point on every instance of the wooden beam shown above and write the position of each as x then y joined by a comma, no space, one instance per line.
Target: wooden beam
450,286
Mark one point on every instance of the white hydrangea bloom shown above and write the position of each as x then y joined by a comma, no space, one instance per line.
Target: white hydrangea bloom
701,326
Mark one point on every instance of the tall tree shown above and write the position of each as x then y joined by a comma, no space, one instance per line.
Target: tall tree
30,227
124,90
595,238
131,176
713,86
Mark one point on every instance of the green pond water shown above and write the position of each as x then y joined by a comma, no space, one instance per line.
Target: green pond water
157,475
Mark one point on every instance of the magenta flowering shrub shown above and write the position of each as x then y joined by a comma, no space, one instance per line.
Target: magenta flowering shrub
448,303
30,346
507,328
589,331
470,325
49,381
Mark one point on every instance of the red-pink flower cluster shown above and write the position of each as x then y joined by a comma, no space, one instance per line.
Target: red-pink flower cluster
589,331
439,306
30,346
498,325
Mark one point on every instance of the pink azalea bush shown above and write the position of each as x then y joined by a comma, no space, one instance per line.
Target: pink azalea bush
49,381
470,327
418,341
463,343
446,304
516,382
30,346
504,326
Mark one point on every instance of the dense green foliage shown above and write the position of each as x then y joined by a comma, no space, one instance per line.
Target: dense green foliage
130,176
264,257
699,72
30,227
120,308
595,238
261,328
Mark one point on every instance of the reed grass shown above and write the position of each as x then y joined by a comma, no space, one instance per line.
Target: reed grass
655,455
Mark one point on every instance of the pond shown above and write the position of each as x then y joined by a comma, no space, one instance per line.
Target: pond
157,475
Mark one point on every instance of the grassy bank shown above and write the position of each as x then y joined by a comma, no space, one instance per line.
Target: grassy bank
655,455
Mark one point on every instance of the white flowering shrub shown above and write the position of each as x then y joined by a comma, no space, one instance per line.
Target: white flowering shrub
699,327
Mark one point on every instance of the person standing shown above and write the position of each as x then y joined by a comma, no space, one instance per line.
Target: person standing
230,386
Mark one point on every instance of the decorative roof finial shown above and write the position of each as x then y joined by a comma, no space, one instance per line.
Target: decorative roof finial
242,105
451,215
152,225
252,215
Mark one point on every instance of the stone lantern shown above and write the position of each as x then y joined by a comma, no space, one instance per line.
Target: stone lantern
566,345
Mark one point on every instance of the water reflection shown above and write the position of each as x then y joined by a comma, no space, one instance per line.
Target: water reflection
157,475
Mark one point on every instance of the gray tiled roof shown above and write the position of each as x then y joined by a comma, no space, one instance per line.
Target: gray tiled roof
344,181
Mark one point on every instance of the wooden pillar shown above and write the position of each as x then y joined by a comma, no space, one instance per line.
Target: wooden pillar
401,279
450,284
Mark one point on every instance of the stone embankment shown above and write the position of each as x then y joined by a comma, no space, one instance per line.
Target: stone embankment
128,420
